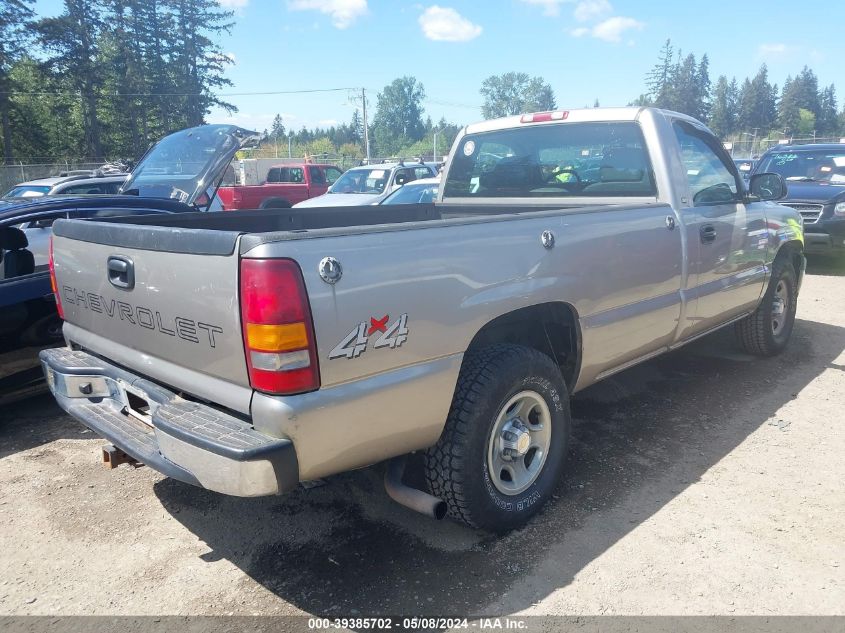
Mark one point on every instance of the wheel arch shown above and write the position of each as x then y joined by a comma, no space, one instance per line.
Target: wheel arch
559,334
275,203
794,250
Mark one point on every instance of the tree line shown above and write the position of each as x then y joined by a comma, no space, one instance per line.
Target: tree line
756,107
105,78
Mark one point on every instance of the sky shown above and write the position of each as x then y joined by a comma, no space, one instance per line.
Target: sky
586,49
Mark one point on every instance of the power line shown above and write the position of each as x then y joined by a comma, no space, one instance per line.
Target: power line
171,94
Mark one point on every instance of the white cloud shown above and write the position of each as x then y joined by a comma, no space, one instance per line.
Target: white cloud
236,5
772,50
611,30
588,10
342,12
443,24
550,7
328,122
581,31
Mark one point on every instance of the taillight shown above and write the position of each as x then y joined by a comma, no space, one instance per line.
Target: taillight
281,352
53,284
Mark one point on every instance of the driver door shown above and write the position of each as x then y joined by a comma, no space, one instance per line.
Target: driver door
726,237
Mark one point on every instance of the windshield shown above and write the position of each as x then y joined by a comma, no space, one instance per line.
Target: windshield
27,191
570,159
362,181
821,165
413,194
182,165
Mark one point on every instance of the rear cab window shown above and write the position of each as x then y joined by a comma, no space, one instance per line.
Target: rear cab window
560,160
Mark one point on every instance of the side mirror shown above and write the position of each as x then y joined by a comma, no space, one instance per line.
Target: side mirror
401,179
767,186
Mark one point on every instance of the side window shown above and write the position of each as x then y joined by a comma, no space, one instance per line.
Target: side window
710,178
297,175
274,175
317,176
403,176
332,174
422,172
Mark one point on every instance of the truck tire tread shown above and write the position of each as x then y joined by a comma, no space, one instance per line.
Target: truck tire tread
754,332
446,470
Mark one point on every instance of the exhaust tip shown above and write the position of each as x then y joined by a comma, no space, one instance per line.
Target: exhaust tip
440,511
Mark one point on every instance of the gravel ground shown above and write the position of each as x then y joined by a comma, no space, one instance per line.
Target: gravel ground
704,482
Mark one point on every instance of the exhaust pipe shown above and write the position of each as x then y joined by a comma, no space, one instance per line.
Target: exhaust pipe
410,497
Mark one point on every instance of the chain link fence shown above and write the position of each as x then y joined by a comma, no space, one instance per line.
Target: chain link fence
11,175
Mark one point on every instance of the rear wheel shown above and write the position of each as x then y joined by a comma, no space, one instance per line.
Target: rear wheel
767,330
504,445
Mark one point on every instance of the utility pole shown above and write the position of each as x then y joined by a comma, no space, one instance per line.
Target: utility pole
366,125
290,136
434,157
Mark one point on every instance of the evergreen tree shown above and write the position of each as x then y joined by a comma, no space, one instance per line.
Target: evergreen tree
15,20
757,102
199,63
72,39
277,132
660,80
722,118
827,120
357,127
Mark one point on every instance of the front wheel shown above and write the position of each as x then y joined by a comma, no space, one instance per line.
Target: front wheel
766,331
502,450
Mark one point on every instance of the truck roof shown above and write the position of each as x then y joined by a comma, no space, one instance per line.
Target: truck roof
579,115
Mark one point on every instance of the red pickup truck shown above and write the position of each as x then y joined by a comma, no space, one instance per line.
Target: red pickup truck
284,186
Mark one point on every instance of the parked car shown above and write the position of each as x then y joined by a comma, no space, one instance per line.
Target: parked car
283,187
815,176
417,192
745,166
248,352
29,320
369,184
70,185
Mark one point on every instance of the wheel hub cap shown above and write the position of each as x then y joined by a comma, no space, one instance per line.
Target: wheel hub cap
519,443
514,440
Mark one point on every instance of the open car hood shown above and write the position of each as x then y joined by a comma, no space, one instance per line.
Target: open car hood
188,165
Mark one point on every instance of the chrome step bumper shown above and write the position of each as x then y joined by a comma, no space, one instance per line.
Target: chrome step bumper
185,440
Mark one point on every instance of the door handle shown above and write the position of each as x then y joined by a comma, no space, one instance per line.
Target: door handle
121,272
708,234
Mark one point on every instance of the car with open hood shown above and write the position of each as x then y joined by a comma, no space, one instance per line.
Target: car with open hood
179,174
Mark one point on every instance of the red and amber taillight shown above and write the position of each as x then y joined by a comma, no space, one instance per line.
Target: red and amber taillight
277,328
53,284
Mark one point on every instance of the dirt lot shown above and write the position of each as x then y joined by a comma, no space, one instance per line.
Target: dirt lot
705,482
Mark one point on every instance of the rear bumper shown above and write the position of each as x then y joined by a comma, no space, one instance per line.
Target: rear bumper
185,440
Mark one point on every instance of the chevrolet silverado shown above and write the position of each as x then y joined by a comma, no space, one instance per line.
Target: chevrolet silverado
249,352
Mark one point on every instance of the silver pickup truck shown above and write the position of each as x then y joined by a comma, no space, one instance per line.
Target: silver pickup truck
248,352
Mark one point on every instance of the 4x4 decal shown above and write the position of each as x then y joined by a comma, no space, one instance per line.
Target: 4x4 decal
355,343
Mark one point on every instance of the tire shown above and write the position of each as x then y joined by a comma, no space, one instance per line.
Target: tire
766,331
458,467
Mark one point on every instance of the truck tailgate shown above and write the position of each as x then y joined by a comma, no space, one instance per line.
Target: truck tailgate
168,310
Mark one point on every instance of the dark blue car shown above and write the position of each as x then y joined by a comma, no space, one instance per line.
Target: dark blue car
815,177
